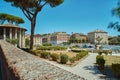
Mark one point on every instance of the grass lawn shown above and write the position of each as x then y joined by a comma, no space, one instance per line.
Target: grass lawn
111,59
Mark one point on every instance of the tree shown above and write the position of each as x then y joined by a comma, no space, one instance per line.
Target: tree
10,18
98,39
31,8
27,42
2,18
115,12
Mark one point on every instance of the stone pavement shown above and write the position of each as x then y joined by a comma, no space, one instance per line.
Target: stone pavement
30,67
85,68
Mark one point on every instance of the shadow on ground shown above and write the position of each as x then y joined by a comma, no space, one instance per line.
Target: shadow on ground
107,73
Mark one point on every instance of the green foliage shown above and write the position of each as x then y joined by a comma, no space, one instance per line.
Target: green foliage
100,52
72,60
116,12
63,58
30,8
81,55
36,52
114,40
51,48
100,61
45,54
116,69
106,52
75,41
47,44
10,18
27,42
12,41
26,50
76,50
66,43
54,56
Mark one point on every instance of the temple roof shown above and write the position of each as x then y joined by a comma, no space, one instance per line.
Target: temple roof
12,26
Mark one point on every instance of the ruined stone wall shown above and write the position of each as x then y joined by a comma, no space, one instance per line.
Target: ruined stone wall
19,65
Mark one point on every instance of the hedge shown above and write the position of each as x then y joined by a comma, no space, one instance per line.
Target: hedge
63,58
81,55
54,56
51,48
72,60
116,69
100,61
44,54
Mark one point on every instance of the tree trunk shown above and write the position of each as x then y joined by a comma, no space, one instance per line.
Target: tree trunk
33,22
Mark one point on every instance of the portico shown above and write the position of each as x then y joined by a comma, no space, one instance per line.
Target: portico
10,31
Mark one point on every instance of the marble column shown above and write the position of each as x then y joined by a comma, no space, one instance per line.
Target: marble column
23,39
20,38
4,33
10,33
16,33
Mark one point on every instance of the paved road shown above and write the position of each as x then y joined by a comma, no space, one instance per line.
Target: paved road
85,68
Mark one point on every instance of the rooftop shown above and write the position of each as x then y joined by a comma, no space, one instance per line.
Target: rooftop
11,25
98,31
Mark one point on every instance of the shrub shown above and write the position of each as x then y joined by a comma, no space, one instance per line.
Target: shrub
78,56
100,52
75,50
81,55
106,52
116,69
100,61
12,41
54,56
63,58
26,49
51,48
35,52
72,60
44,54
47,44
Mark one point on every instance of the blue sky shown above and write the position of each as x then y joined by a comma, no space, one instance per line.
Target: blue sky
78,16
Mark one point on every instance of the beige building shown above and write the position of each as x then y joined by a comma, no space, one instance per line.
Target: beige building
10,31
59,37
78,36
55,38
37,39
46,38
98,36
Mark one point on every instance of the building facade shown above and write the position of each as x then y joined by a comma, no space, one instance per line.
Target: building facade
79,36
46,38
37,39
59,37
10,31
98,36
55,38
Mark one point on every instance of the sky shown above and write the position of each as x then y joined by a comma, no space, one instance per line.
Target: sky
77,16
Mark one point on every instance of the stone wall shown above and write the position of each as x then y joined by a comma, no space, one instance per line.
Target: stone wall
19,65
